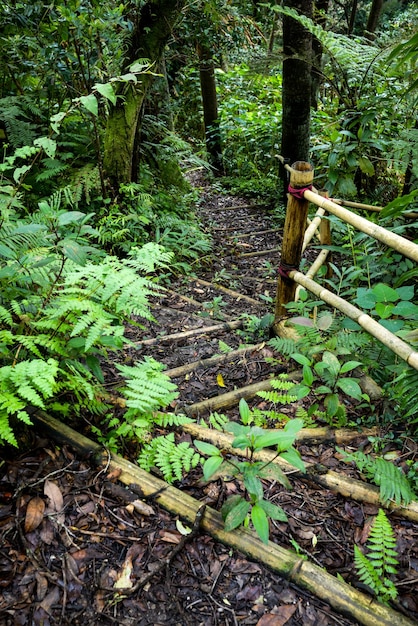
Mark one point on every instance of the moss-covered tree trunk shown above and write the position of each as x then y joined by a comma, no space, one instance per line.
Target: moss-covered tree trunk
296,90
153,24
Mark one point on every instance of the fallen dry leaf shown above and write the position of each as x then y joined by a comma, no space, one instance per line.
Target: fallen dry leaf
124,576
279,618
56,501
34,514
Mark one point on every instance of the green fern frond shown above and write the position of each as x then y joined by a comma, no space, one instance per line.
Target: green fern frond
173,460
218,421
283,345
148,388
172,419
381,559
392,481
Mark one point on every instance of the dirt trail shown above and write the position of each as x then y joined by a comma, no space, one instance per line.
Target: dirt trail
61,567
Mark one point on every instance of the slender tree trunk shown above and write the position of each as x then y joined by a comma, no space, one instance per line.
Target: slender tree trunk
296,90
352,17
320,17
210,108
374,15
152,27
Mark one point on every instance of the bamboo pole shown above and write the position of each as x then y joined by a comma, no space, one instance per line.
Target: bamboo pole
259,253
344,485
341,596
226,326
312,228
368,207
301,176
228,399
406,247
182,370
399,347
234,294
245,234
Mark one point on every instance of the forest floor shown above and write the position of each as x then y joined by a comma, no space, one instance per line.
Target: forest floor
67,532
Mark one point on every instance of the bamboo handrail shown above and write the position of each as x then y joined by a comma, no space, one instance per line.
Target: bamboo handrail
399,347
406,247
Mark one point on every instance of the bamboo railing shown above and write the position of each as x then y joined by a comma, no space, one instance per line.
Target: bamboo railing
295,240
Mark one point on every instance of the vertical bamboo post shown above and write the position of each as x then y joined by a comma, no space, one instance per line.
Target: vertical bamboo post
325,236
301,176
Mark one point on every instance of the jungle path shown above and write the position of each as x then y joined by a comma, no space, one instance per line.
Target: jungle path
62,570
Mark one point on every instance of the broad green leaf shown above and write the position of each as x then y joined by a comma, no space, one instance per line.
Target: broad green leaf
279,438
260,522
93,363
237,515
384,293
393,325
90,104
253,484
107,91
19,172
73,251
294,426
384,310
236,429
207,448
301,391
366,166
244,411
332,403
350,365
56,121
69,217
229,504
273,511
323,389
308,376
272,471
331,362
365,299
293,457
406,292
405,309
48,145
211,465
350,387
300,358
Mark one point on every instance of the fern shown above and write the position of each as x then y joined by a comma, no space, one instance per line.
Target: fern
171,459
404,389
390,479
381,560
218,421
284,346
279,384
148,388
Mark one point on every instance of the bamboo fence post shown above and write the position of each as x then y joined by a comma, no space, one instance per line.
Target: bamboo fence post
301,177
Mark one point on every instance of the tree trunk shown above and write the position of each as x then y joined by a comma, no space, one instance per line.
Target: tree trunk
210,107
320,17
352,17
296,90
374,15
152,27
